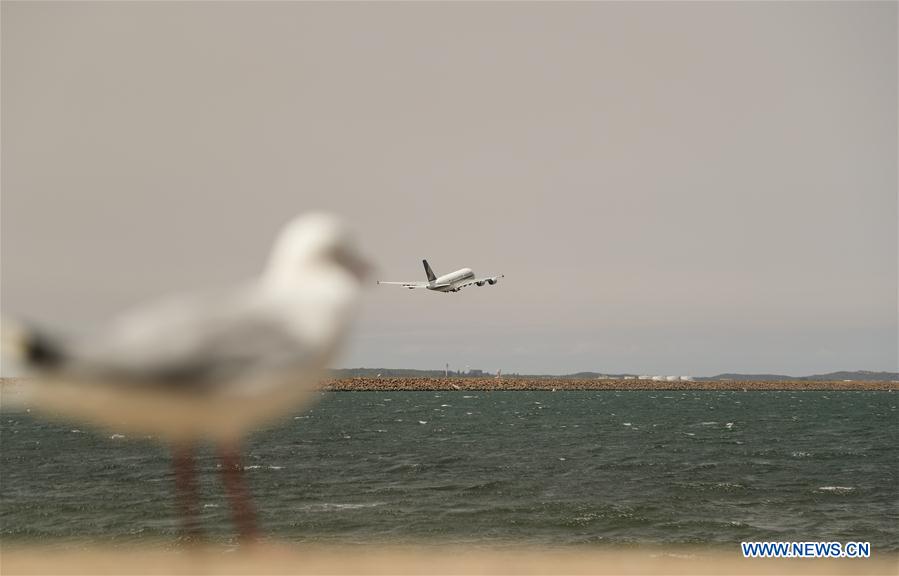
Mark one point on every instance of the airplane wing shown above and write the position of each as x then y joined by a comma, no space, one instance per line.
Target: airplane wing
491,280
410,285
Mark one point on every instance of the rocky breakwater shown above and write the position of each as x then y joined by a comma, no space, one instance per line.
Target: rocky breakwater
511,383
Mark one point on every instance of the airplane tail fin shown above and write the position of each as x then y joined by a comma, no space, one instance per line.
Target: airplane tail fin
429,272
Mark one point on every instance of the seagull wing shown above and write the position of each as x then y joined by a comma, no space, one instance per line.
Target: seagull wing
191,344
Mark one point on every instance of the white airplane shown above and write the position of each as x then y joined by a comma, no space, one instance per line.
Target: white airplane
452,282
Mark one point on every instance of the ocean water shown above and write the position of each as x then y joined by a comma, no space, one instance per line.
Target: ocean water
641,467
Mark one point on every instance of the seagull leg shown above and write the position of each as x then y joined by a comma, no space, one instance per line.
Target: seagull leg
186,491
238,492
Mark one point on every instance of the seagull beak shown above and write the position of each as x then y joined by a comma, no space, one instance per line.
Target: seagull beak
359,266
362,268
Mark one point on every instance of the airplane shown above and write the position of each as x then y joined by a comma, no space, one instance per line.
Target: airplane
452,282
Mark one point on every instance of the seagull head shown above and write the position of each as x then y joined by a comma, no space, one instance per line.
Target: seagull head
315,243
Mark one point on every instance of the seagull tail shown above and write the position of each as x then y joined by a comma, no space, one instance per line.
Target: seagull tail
30,348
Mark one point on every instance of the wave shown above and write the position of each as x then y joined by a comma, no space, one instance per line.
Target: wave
836,489
338,506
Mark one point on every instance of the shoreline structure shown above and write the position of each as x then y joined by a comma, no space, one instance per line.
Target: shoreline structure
488,384
360,384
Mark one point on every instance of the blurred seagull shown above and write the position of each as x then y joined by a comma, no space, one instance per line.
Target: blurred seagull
188,370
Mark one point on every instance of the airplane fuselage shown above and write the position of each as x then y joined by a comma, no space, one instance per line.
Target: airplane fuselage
450,282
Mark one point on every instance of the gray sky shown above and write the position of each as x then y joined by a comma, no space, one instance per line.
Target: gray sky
669,188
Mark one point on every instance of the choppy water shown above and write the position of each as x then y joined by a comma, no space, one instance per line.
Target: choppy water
475,467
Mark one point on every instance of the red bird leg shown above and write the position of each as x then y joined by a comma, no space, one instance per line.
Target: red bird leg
242,510
187,494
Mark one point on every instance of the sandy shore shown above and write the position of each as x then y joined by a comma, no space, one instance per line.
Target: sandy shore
357,559
509,383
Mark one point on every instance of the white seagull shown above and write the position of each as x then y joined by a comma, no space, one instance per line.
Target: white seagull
193,369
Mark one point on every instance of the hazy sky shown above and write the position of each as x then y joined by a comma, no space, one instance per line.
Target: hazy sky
669,188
